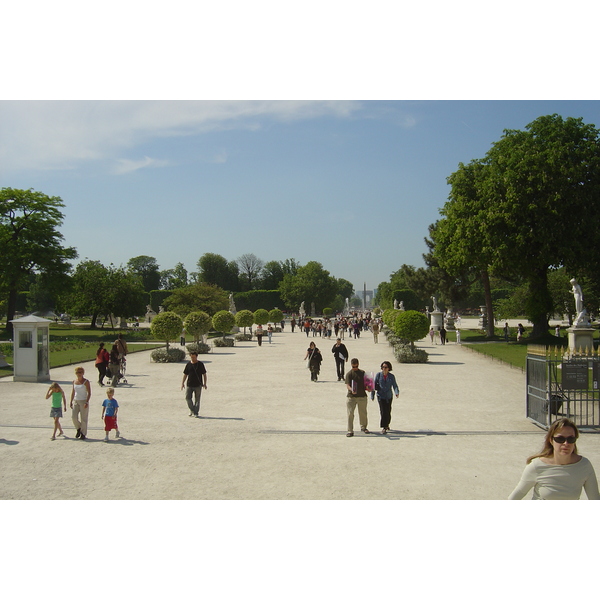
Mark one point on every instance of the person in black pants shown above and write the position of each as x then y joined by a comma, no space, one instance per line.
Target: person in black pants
340,354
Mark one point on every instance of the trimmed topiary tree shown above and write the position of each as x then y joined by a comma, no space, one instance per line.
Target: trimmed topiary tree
166,326
275,316
223,321
327,311
389,316
198,324
244,318
411,325
261,316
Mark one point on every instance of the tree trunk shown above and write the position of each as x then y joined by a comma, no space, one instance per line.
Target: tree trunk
539,303
485,279
10,311
94,318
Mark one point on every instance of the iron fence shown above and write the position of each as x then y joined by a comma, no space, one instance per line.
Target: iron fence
562,383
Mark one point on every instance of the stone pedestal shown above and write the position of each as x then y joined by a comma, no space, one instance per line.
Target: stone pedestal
149,316
450,323
581,338
436,319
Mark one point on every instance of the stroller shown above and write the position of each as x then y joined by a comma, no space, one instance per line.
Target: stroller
121,376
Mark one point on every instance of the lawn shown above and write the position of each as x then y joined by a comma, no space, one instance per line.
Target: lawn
71,344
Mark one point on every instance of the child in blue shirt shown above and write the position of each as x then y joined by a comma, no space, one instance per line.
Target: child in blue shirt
110,408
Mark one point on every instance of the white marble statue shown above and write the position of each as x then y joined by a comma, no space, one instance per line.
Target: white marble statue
581,319
435,306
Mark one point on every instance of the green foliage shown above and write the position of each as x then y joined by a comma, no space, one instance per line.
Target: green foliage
146,268
275,316
327,311
408,354
167,355
410,299
243,337
166,326
171,279
261,316
223,321
30,242
312,283
197,297
157,298
198,347
223,342
389,317
255,299
197,324
214,269
244,318
411,325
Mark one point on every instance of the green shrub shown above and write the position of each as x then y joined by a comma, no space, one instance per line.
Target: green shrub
243,337
198,347
261,316
405,354
197,324
223,342
275,316
223,321
411,325
327,311
244,318
162,355
166,326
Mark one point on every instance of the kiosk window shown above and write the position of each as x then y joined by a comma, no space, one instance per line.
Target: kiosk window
25,339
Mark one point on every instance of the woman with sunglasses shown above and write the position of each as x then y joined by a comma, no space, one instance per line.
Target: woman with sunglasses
386,387
558,472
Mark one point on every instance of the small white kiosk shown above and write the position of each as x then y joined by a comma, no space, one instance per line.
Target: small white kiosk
31,336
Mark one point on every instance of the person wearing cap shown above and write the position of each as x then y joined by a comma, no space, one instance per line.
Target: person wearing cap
194,374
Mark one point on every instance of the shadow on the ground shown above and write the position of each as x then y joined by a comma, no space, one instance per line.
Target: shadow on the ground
8,442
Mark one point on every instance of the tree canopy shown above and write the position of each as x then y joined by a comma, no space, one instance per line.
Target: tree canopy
30,241
312,283
199,296
530,205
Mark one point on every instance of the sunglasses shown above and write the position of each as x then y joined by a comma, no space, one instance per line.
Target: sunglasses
561,439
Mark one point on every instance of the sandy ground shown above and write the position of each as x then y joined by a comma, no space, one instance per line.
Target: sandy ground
268,432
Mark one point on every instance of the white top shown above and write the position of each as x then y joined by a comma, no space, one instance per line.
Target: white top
557,482
81,392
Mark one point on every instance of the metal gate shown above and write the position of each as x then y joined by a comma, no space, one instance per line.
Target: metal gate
561,383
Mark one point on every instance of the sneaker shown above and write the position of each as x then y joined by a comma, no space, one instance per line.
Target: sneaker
82,437
117,435
106,439
78,433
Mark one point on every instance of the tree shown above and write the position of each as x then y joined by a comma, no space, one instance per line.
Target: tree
530,205
197,324
214,269
146,268
223,321
166,326
30,242
125,296
244,318
90,282
275,316
261,316
344,288
312,283
172,279
411,325
199,296
250,268
272,275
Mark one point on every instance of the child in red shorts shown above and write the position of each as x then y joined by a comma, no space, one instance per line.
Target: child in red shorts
110,408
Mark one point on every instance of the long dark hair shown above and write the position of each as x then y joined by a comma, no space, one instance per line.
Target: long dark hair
100,348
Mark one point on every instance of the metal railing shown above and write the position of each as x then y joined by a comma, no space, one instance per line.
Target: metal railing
563,383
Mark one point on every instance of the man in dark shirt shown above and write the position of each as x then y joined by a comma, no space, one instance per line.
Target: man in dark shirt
357,395
340,354
195,374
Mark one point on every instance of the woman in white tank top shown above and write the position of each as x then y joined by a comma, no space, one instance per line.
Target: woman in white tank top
80,403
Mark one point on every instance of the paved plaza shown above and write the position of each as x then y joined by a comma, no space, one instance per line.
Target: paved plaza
458,430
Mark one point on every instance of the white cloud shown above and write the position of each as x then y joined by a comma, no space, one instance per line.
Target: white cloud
41,135
127,166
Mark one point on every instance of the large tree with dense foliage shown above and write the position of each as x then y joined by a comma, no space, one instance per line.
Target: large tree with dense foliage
146,268
29,241
171,279
312,283
216,270
532,205
199,296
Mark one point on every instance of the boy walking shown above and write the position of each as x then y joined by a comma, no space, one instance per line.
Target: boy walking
110,408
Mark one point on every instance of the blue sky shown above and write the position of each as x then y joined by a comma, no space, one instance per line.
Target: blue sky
351,184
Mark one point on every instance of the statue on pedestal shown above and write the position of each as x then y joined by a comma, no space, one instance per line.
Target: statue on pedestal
581,319
232,308
435,306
